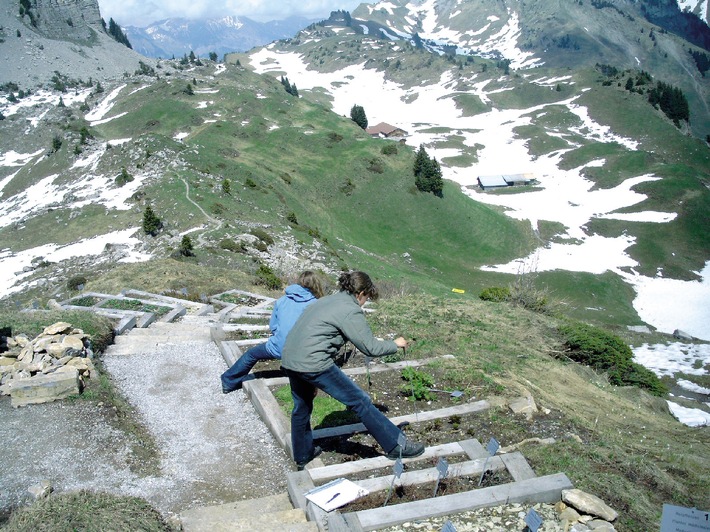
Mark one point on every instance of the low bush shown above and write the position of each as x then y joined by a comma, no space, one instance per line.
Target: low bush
389,149
495,293
265,276
603,351
231,245
77,282
262,235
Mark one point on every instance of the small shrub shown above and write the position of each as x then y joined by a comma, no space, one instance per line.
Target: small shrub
263,236
250,183
124,177
265,276
231,245
603,351
495,293
389,149
77,282
291,217
218,208
418,385
56,143
186,247
375,166
334,137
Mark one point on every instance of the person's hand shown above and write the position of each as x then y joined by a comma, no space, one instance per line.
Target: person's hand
401,342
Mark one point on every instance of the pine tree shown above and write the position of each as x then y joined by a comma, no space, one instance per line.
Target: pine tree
151,223
420,160
186,248
115,31
226,187
427,173
357,115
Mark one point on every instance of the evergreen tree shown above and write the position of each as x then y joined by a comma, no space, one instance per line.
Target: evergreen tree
427,174
420,160
357,115
151,222
186,248
294,90
226,187
115,31
213,56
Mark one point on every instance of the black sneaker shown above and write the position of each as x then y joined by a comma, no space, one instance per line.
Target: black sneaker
300,466
411,449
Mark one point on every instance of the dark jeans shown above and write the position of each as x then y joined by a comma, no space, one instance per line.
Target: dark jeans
339,386
232,378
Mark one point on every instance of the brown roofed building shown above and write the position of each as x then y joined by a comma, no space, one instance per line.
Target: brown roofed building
385,130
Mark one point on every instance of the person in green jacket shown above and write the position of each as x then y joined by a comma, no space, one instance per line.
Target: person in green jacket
308,358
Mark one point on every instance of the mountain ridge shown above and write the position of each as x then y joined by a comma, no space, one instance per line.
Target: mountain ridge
176,37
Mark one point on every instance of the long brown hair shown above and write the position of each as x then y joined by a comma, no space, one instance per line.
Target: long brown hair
311,282
358,282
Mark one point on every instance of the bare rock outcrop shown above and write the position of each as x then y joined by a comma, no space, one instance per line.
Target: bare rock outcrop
50,367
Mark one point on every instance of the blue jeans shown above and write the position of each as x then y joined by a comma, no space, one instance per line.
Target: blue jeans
339,386
232,378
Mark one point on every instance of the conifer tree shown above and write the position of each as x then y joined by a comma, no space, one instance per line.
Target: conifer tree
186,248
357,115
151,222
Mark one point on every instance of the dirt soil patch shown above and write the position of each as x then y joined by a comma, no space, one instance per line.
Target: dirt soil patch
392,395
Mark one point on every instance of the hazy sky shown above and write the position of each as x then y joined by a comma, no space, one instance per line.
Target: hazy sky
143,12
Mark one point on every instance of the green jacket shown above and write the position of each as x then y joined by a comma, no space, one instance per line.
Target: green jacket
322,330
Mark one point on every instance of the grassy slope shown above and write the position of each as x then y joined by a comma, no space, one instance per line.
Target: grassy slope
625,447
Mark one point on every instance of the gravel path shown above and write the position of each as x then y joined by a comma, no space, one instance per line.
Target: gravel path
214,448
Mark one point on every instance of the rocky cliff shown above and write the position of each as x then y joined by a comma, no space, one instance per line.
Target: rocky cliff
39,38
64,19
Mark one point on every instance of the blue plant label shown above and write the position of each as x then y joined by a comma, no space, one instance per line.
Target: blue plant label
533,520
493,446
398,468
442,466
448,527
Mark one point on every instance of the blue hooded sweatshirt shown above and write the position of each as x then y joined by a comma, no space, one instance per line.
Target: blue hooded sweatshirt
287,310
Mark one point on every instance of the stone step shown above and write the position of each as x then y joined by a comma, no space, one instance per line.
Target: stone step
274,513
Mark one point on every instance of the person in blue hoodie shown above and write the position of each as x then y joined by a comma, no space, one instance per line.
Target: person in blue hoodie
287,310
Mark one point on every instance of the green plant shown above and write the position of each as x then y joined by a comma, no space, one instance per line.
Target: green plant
186,247
76,282
265,276
389,149
604,351
231,245
56,143
418,385
263,236
151,223
124,177
495,293
291,217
